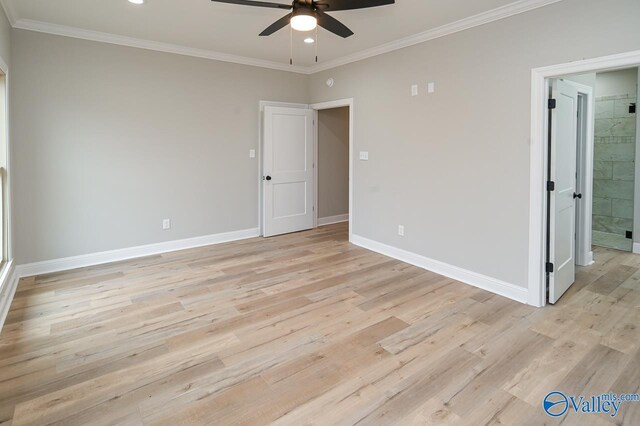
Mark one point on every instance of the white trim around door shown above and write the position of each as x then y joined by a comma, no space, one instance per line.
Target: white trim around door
636,200
538,155
8,240
586,123
330,105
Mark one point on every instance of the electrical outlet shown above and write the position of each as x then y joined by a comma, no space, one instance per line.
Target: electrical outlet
401,230
414,90
252,153
431,87
166,224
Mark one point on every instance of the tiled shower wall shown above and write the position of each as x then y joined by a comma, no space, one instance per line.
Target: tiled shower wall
614,171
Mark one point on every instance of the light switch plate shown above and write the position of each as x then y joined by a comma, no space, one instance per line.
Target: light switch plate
252,153
414,90
401,230
431,87
166,224
364,155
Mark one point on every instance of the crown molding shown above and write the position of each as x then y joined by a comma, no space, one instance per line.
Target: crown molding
65,31
9,11
483,18
497,14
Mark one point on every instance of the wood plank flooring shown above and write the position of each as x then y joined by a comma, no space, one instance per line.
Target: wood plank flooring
309,329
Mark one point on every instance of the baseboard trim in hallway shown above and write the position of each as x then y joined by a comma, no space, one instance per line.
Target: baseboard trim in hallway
330,220
93,259
484,282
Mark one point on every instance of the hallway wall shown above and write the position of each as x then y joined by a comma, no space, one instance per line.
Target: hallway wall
333,162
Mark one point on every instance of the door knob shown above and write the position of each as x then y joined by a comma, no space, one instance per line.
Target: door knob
579,196
268,178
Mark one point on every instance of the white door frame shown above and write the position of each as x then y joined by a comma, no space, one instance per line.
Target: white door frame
8,197
584,163
538,157
262,105
636,200
330,105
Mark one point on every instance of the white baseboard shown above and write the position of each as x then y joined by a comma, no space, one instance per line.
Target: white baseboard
587,260
8,285
57,265
333,219
519,294
636,248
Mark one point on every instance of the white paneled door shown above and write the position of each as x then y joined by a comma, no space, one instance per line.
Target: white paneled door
562,202
288,185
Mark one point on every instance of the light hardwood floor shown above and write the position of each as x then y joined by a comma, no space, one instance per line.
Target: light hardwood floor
308,329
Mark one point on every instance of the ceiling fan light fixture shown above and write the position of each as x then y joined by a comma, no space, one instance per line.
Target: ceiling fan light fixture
304,20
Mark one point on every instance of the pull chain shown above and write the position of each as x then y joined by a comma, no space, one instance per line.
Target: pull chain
317,41
290,45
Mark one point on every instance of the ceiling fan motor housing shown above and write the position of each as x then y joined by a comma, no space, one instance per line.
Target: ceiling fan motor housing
303,10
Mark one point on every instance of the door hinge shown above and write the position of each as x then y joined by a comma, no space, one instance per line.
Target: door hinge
549,268
551,186
552,104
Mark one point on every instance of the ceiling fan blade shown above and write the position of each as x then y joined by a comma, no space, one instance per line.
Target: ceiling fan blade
278,25
335,5
330,23
257,3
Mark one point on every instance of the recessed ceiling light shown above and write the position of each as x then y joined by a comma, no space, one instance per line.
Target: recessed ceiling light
136,1
309,40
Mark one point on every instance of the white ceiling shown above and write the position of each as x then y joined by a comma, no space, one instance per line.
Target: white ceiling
232,29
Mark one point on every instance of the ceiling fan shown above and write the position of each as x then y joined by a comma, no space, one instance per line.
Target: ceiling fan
308,14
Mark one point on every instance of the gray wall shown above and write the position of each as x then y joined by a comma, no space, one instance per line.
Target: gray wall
333,162
588,79
110,140
614,83
5,37
453,167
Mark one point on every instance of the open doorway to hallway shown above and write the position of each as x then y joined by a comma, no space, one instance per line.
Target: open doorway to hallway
332,165
305,163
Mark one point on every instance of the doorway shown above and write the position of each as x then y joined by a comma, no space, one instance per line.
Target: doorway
290,179
332,166
543,269
569,183
591,198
